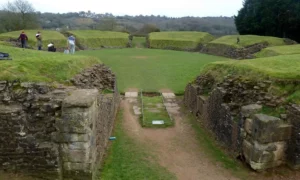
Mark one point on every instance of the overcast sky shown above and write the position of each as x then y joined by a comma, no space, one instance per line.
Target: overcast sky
171,8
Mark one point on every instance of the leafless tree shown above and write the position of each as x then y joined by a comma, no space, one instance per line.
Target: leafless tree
18,15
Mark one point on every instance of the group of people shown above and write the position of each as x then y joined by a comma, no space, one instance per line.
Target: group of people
70,42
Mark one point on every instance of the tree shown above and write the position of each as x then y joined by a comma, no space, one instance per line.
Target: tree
18,15
280,18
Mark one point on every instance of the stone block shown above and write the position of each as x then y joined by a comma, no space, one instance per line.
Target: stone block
4,109
248,126
266,129
81,98
76,145
66,137
250,109
77,156
69,166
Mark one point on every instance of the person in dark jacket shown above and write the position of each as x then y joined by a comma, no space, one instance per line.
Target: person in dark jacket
23,37
51,47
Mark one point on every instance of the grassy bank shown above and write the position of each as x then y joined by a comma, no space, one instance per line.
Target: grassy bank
129,160
48,36
187,40
279,50
39,66
246,40
153,69
284,71
94,39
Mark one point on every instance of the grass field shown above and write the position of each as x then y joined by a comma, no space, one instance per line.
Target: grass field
187,40
139,42
129,160
154,109
48,36
39,66
97,39
279,50
153,69
246,40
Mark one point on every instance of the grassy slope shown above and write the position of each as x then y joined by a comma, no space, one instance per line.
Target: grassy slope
153,69
150,103
129,160
48,36
39,66
182,40
279,50
96,39
285,67
139,42
246,40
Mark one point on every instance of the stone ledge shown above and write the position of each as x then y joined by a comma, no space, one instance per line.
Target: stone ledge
81,98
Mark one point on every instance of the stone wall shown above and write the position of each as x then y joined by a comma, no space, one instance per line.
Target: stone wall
54,131
233,111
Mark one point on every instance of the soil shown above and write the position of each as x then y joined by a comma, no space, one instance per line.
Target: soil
176,148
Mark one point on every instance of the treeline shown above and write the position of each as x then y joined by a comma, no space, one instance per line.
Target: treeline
280,18
12,18
135,24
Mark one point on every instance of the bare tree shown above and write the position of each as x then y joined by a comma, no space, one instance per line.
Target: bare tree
18,15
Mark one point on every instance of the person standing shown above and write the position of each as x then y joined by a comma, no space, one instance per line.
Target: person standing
23,37
38,37
71,44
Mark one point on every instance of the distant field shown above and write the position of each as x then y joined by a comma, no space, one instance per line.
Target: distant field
38,66
187,40
59,40
246,40
153,69
94,39
279,50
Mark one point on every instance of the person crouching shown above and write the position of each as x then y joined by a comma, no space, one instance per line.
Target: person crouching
51,47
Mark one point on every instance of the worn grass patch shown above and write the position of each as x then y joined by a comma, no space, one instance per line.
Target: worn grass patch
246,40
94,39
279,50
154,109
154,69
187,40
129,160
39,66
59,40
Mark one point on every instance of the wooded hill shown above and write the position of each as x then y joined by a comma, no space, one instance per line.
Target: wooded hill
134,24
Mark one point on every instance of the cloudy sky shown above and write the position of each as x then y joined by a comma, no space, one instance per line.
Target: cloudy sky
171,8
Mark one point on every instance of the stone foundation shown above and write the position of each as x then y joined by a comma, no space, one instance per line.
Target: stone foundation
233,109
54,131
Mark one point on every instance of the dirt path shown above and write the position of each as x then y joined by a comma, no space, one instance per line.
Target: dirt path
176,148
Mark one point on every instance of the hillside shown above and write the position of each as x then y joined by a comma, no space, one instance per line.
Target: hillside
59,40
38,66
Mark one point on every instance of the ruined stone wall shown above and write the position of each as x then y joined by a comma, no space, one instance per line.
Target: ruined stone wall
233,111
231,52
54,131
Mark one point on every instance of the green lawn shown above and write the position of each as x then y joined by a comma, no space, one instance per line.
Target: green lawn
246,40
154,109
279,50
129,160
59,40
153,69
39,66
97,39
139,42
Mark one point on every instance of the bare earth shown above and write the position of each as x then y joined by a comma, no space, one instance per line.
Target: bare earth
175,148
